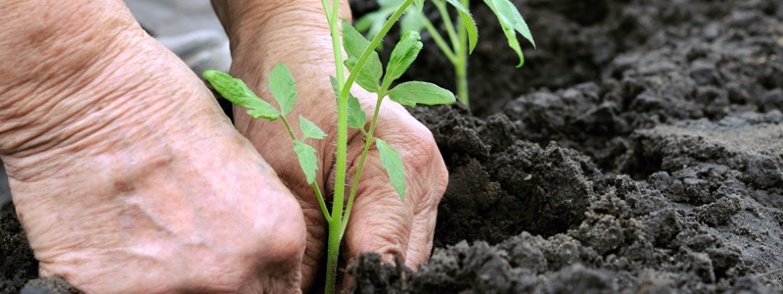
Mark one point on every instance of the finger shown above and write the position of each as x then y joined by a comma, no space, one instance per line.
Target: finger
315,245
420,240
380,222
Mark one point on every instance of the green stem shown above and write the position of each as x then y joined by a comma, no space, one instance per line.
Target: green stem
373,44
316,189
367,143
321,202
438,38
333,245
444,13
335,226
461,67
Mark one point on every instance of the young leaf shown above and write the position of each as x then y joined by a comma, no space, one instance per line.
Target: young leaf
283,87
393,164
356,116
404,53
517,22
411,93
307,160
353,41
370,74
511,22
419,4
238,93
412,20
310,130
470,24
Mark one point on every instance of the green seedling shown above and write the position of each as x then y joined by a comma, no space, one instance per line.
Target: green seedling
367,71
462,33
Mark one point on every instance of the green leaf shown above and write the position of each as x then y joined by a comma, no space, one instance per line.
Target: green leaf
392,162
356,116
307,160
470,24
354,43
370,74
512,22
411,93
310,130
283,87
412,20
419,5
238,93
515,18
404,53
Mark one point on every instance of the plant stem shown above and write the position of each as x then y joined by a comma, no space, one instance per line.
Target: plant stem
367,143
333,245
447,23
335,226
438,38
316,189
462,57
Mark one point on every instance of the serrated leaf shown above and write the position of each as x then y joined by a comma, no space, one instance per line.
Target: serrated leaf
404,53
416,92
392,162
283,87
370,74
511,22
235,90
356,116
310,129
307,160
469,22
354,43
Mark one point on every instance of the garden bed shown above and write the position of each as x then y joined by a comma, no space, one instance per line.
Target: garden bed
640,149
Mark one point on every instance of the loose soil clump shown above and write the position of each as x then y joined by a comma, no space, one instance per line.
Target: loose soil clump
640,150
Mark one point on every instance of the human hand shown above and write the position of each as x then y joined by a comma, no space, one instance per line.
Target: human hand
295,33
125,173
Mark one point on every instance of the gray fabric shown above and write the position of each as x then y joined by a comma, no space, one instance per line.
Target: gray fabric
187,27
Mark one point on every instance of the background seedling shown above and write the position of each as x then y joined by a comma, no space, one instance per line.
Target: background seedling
462,33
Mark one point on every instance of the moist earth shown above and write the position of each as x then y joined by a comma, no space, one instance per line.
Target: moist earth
640,150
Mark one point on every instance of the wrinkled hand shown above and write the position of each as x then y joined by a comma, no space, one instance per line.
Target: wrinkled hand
126,175
297,35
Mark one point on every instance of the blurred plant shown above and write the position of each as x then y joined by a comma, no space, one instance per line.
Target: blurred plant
462,34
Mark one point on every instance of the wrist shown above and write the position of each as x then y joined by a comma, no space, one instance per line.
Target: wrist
276,31
62,54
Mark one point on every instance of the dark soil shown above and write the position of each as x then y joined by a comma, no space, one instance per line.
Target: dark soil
640,150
